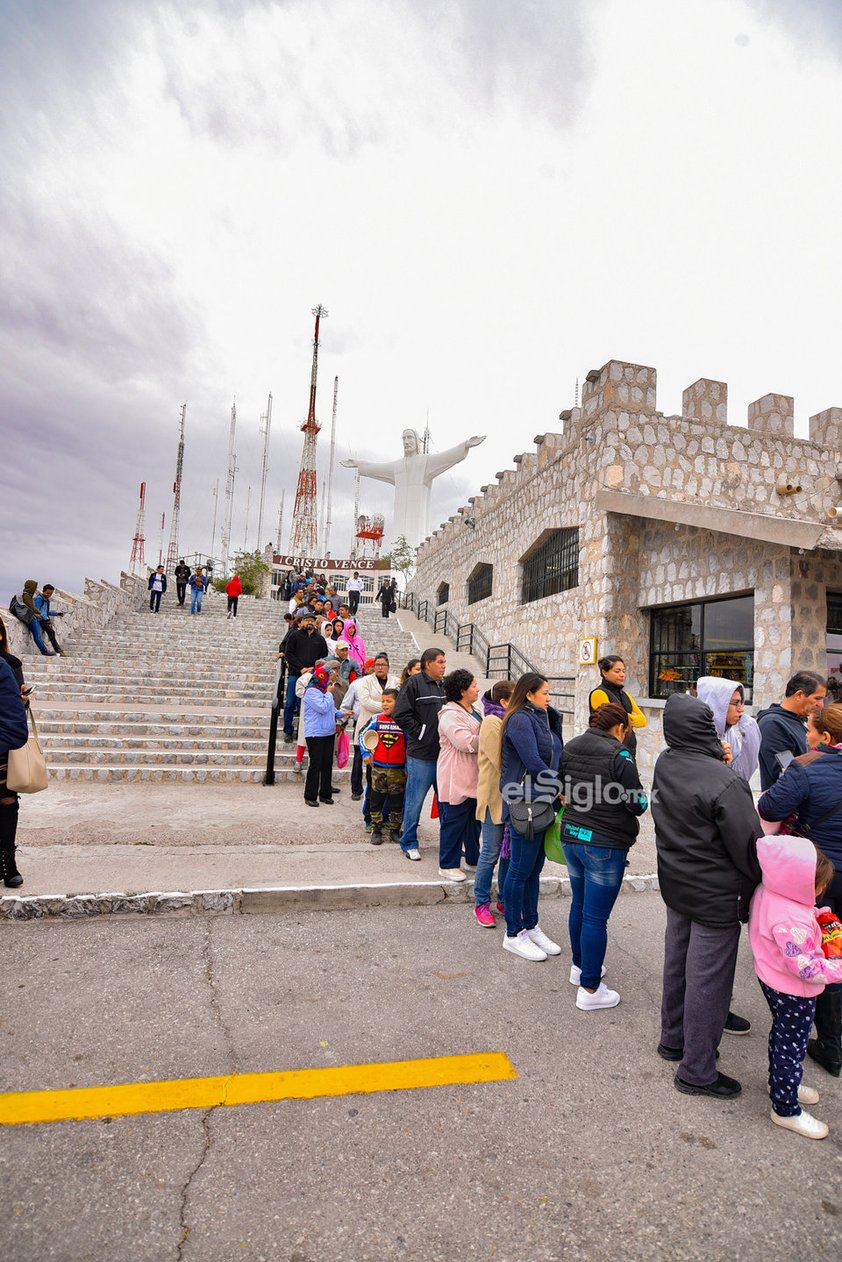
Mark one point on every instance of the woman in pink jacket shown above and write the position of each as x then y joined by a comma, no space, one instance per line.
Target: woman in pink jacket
786,941
457,772
356,643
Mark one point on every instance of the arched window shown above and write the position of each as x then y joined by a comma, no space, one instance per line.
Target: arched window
552,566
480,581
442,593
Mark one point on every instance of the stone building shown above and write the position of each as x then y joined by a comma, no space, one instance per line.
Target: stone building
686,544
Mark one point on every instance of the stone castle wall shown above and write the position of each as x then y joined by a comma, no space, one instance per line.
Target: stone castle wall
101,603
694,465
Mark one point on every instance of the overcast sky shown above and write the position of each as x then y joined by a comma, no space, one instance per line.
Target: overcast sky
490,198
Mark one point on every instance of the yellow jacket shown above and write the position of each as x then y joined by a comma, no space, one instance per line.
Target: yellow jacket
600,697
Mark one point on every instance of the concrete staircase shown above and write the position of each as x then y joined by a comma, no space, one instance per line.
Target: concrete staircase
173,696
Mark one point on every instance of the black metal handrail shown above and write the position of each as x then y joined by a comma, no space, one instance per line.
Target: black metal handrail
423,610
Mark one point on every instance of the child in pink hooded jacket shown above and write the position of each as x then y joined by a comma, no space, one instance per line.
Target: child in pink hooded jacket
786,941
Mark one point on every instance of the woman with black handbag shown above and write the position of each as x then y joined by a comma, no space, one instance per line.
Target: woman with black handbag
531,744
811,790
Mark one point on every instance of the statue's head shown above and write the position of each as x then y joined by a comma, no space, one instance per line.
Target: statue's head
411,443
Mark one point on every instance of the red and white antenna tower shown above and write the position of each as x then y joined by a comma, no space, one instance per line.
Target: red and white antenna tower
172,550
304,537
138,561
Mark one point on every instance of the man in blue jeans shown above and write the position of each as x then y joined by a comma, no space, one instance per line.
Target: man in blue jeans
417,715
304,646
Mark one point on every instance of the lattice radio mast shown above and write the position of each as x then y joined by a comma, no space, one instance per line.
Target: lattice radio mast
172,550
304,537
280,521
138,562
215,506
248,510
229,490
161,543
328,505
265,426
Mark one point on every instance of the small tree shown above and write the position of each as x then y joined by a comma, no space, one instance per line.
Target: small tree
252,570
403,559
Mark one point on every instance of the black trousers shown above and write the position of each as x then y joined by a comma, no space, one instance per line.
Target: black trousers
155,601
181,592
232,604
319,768
353,601
357,771
828,1009
47,630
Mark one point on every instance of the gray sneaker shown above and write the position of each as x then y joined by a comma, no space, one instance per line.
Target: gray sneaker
413,854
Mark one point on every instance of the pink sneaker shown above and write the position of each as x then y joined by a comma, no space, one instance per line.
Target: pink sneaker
500,907
484,916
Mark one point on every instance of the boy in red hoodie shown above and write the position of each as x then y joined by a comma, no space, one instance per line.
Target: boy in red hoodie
383,747
233,591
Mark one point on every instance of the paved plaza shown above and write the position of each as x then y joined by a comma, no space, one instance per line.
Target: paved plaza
590,1152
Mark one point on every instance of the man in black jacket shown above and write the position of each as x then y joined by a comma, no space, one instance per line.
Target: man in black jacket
783,728
706,829
182,575
416,713
304,647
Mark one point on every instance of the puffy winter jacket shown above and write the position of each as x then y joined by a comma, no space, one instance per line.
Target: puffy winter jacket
14,732
705,822
809,788
416,713
602,789
780,730
532,746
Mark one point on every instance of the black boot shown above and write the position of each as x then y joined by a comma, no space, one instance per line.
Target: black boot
11,877
826,1050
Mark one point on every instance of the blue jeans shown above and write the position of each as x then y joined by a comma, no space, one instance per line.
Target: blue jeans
596,874
420,778
492,840
459,830
520,892
289,703
35,628
196,600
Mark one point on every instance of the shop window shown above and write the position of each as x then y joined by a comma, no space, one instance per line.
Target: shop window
479,582
709,638
553,566
442,593
834,636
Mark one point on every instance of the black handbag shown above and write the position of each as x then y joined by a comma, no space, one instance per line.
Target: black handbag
532,816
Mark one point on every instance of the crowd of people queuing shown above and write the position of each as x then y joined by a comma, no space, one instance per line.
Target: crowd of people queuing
507,787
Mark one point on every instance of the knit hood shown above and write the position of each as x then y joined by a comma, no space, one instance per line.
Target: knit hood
491,707
789,867
689,724
717,694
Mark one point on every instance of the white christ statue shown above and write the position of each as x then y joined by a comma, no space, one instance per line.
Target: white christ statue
412,477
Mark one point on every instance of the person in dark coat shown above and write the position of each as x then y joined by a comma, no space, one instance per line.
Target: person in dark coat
811,790
157,586
706,828
303,647
783,728
388,597
417,715
14,733
182,576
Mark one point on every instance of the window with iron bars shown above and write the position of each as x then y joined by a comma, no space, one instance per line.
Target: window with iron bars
479,583
553,567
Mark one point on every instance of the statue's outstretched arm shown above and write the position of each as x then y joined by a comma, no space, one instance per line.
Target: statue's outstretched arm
382,472
439,461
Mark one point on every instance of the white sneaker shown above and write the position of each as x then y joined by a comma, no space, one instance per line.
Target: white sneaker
541,940
470,867
452,874
803,1124
413,854
576,975
523,946
806,1095
602,997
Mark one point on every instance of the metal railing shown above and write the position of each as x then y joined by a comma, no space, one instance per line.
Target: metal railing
500,661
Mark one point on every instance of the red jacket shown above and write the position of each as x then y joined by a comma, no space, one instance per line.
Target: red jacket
391,743
234,588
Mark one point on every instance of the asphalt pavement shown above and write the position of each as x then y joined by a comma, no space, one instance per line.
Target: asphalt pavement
590,1153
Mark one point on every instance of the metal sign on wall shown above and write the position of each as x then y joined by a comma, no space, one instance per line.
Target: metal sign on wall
325,563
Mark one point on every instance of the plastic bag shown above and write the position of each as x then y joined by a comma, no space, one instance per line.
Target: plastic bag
552,840
343,749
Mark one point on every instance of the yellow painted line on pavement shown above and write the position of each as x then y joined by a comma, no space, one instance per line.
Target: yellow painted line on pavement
22,1107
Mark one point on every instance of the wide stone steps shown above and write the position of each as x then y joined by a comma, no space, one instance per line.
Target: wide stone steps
224,727
252,695
175,772
79,743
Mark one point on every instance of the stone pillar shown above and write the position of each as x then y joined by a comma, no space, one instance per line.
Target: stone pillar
826,429
774,628
706,400
773,415
620,387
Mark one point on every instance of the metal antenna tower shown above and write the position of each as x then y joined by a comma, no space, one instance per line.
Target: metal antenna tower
304,537
355,542
280,522
172,550
161,543
326,525
248,510
576,404
138,561
215,506
265,426
229,490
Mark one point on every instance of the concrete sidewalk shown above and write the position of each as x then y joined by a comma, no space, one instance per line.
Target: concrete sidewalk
90,838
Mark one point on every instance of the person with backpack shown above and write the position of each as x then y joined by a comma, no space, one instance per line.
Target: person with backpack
24,609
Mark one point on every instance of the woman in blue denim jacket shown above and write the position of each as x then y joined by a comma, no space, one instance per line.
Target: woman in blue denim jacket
532,745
